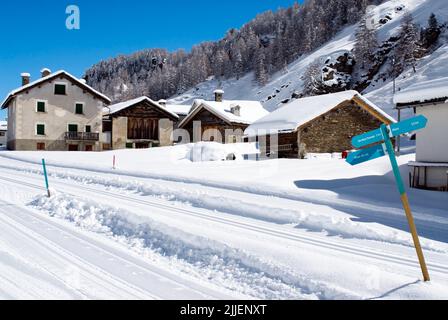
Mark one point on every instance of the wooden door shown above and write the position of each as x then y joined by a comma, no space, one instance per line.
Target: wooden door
73,147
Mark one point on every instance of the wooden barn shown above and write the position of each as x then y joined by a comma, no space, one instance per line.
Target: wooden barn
139,123
320,124
221,120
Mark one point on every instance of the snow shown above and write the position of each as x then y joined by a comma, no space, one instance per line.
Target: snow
289,80
213,151
57,73
277,229
126,104
3,125
179,109
250,111
301,111
423,91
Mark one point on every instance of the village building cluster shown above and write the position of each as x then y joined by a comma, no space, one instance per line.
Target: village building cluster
59,112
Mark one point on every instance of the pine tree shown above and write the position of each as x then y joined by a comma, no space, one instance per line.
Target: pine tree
261,72
366,45
408,47
312,79
431,34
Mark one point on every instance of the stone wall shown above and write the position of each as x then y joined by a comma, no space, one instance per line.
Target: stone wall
333,131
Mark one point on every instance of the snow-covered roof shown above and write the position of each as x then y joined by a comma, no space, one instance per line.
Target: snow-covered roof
56,74
422,92
179,109
127,104
301,111
250,111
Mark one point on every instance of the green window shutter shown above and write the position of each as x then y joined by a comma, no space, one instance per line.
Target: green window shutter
129,145
72,128
88,129
40,129
79,108
59,89
40,106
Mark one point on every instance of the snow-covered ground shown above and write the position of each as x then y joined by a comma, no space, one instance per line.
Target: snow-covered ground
163,226
283,84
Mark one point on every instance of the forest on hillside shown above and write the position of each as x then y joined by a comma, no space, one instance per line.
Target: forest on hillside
264,45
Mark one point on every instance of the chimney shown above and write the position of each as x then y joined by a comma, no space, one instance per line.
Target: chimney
162,102
45,72
25,78
236,110
219,95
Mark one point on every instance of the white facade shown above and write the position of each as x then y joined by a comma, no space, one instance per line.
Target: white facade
40,119
432,142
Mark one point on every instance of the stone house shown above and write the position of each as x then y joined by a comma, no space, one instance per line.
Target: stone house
430,99
221,120
320,124
57,112
138,123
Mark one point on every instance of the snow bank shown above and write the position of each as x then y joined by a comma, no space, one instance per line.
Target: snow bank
341,225
213,151
202,258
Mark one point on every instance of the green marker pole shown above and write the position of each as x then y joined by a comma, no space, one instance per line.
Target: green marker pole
404,199
46,178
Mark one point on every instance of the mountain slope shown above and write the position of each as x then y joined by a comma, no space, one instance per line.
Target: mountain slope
289,83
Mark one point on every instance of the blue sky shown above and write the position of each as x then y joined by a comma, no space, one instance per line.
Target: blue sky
33,33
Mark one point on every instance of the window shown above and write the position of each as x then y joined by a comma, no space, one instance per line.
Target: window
40,106
59,89
129,145
40,146
40,129
79,108
72,128
2,134
88,129
89,148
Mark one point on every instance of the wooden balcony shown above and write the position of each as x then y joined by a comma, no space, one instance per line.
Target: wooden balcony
82,136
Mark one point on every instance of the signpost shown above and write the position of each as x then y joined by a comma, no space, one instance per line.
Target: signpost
384,135
46,178
397,129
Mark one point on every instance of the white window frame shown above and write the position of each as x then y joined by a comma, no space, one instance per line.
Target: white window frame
83,108
35,129
60,83
46,105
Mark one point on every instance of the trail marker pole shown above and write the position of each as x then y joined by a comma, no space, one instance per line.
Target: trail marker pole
46,178
405,200
113,163
384,135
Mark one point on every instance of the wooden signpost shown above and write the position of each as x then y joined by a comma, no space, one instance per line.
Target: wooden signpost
384,135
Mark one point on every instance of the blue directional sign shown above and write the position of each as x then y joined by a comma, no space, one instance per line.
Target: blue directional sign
397,129
409,125
365,155
383,135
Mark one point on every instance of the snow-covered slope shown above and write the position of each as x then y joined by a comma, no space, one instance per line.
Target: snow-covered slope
283,84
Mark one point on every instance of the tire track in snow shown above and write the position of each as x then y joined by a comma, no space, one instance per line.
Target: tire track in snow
275,232
93,274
